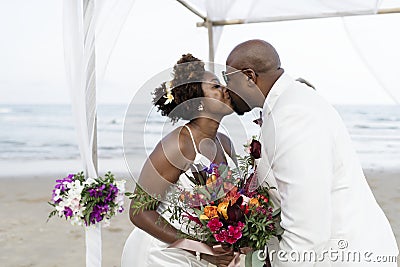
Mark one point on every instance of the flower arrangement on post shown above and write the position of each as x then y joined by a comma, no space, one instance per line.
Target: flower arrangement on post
87,202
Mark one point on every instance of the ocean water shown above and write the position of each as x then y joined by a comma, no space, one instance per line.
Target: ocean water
40,132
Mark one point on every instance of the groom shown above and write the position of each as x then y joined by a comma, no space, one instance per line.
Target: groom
307,154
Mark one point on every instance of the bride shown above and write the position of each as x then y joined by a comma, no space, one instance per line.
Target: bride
196,95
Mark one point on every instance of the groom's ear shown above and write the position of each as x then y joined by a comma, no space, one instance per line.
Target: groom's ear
251,78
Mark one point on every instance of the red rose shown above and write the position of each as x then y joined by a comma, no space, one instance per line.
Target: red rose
255,149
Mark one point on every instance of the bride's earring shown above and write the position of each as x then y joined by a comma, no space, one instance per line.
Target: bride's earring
201,107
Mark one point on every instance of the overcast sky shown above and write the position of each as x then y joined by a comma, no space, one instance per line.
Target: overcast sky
158,32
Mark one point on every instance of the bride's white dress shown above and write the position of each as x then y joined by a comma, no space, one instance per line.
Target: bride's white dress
142,249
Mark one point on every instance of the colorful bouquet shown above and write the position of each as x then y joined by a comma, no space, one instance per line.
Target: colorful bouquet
227,207
87,202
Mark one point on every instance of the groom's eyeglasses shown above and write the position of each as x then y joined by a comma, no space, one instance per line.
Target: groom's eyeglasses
225,75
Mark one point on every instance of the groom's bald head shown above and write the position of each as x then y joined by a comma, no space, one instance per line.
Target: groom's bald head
252,69
257,55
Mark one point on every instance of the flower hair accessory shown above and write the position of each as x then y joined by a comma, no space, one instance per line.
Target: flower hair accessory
169,96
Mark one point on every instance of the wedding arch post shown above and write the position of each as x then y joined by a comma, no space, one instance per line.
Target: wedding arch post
211,56
79,55
93,234
89,25
91,103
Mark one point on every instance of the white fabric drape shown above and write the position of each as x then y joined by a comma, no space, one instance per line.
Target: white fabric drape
216,10
220,10
91,28
267,10
383,47
272,10
256,10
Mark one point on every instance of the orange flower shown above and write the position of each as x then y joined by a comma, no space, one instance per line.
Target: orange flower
203,217
254,202
223,209
210,211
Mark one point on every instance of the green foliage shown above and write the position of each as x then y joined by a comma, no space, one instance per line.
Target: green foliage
245,164
223,170
89,201
142,201
80,177
257,231
53,213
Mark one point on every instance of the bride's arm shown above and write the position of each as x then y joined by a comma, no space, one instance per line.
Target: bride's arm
149,222
160,171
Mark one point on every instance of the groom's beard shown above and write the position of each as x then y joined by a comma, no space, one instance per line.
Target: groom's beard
235,108
239,112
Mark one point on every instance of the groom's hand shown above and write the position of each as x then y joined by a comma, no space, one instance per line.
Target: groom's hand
219,261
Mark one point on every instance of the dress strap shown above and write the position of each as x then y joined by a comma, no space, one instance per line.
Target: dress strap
191,135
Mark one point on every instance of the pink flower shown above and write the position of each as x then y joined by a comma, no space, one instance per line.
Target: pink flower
240,225
214,225
271,227
233,234
220,237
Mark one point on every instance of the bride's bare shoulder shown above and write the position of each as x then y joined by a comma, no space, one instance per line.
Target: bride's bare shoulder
177,146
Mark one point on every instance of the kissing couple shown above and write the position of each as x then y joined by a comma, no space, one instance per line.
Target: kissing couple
306,154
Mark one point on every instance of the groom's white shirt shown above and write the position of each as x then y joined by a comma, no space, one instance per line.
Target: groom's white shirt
323,194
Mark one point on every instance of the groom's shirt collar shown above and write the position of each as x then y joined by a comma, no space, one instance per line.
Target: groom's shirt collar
283,82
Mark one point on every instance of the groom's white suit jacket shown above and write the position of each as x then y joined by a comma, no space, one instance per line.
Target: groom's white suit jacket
325,200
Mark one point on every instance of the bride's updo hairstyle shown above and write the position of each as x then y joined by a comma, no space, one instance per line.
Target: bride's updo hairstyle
185,87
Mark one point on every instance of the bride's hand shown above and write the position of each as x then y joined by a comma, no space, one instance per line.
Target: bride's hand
219,261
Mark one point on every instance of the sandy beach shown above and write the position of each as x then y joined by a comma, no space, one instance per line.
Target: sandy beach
27,240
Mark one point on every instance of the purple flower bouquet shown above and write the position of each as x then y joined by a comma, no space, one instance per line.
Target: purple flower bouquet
87,202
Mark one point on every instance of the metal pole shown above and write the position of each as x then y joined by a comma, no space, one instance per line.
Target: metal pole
192,9
210,44
389,10
296,17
